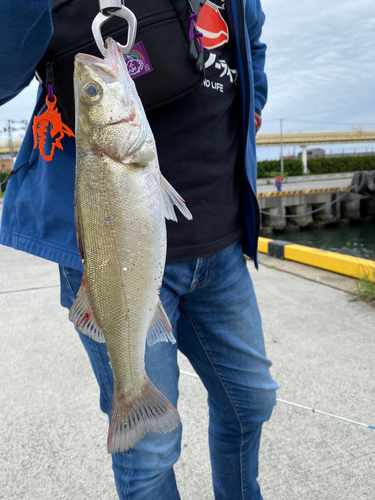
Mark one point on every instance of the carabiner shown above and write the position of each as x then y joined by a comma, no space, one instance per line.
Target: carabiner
109,8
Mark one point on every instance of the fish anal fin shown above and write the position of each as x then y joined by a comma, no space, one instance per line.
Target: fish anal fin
171,198
82,316
131,422
160,329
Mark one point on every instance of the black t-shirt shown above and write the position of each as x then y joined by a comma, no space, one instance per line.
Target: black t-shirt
198,138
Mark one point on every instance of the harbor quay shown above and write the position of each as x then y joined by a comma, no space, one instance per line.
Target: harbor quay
322,345
313,201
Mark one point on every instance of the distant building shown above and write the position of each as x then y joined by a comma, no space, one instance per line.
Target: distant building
5,164
313,153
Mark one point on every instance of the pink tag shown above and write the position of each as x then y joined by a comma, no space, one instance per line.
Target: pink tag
138,62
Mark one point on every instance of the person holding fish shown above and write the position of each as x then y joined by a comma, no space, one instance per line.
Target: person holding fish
92,192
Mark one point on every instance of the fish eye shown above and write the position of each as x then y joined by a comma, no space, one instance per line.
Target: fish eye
91,92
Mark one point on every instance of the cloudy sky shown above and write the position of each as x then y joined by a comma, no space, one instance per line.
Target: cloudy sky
320,66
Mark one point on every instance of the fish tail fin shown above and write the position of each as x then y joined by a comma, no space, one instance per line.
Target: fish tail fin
130,422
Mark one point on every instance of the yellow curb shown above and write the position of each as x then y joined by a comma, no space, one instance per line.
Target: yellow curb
263,244
330,261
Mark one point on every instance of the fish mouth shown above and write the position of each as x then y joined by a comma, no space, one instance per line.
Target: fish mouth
108,68
118,122
87,59
92,63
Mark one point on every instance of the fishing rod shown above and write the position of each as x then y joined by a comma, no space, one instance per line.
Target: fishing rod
313,410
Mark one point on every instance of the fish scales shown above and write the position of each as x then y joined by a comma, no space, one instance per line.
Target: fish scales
121,201
133,243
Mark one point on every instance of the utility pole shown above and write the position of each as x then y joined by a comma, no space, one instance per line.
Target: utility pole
9,129
281,147
10,141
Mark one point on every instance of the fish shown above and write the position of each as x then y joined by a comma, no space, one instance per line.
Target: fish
121,203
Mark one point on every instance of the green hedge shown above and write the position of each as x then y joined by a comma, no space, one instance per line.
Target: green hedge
268,168
2,177
345,164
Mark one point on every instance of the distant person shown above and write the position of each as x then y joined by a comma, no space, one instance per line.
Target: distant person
279,183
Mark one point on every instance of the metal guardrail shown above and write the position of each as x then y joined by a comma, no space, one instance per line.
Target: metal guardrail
308,138
273,139
5,148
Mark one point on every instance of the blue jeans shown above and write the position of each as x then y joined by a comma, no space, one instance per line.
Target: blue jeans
214,313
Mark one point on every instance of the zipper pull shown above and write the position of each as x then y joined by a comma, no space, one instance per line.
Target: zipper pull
49,80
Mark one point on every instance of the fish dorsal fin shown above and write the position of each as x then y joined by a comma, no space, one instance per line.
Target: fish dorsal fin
82,316
171,198
160,329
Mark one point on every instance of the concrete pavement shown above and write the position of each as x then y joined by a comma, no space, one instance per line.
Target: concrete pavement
300,182
53,436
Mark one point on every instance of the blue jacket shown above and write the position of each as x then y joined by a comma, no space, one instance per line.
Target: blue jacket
38,210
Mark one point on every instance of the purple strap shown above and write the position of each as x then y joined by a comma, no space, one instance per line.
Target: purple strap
192,18
194,33
50,92
199,35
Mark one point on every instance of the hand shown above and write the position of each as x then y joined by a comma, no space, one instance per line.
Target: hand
258,121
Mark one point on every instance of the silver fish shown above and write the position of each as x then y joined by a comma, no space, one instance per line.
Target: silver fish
121,202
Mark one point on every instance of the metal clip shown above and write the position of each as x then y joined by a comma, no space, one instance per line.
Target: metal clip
109,8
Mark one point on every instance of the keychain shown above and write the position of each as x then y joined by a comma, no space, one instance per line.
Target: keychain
50,117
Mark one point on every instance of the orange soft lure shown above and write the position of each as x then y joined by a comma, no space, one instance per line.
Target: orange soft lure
58,129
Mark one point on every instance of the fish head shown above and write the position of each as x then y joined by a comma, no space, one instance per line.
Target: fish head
110,117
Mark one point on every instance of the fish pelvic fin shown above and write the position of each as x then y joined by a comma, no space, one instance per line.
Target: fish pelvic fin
161,328
82,315
150,413
171,198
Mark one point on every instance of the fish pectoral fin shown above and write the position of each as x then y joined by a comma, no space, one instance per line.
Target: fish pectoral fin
82,316
142,158
171,198
160,329
132,421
